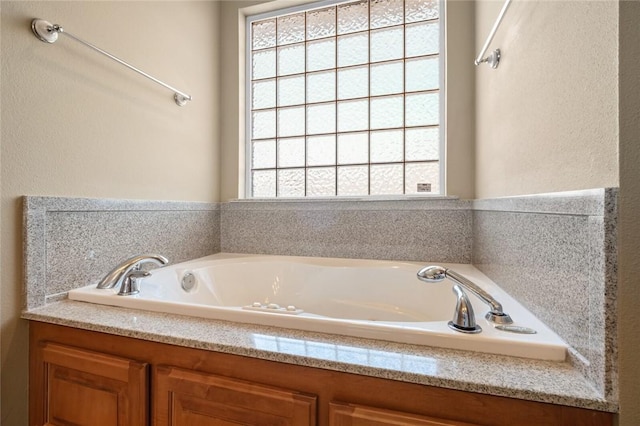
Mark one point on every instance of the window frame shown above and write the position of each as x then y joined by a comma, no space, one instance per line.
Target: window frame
311,5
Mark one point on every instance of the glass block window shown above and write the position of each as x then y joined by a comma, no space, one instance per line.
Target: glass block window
345,99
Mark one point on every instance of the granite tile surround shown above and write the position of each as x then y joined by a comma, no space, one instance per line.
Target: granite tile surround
436,230
73,242
556,254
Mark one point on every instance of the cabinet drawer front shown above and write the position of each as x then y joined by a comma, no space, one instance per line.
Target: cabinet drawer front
341,414
81,387
189,398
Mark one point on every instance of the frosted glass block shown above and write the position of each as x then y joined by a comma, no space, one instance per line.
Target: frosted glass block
321,118
353,83
290,29
321,182
291,121
353,180
263,94
421,10
353,115
353,17
321,55
263,34
263,64
291,90
291,59
422,144
422,39
353,148
385,13
387,146
387,112
422,74
263,183
387,179
387,78
321,23
321,150
263,154
263,124
423,109
421,175
387,44
291,183
291,152
353,49
321,86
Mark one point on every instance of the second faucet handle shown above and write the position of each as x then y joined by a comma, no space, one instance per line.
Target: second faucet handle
131,281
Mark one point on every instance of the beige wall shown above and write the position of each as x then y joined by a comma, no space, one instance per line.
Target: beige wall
547,117
562,112
459,110
629,213
75,123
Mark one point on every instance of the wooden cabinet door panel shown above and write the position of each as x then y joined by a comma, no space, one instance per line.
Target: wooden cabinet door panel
189,398
341,414
81,387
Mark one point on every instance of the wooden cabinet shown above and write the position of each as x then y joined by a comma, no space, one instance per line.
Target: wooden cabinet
190,398
341,414
80,387
85,378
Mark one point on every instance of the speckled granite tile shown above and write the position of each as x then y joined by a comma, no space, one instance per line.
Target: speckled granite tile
543,381
589,202
561,263
542,261
82,247
373,233
72,242
610,324
33,237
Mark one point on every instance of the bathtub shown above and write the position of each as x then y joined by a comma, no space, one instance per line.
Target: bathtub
360,298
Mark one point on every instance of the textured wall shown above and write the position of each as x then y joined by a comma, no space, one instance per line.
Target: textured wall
77,124
547,118
629,212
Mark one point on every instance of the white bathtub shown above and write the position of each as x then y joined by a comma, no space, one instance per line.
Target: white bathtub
361,298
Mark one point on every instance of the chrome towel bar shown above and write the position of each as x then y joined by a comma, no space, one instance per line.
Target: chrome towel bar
494,57
47,32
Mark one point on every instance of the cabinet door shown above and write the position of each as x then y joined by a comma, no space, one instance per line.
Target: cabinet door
341,414
189,398
79,387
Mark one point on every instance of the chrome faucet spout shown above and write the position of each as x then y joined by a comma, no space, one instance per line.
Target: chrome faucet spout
125,274
435,274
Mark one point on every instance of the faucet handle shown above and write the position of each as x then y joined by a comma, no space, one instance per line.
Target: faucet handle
464,319
130,284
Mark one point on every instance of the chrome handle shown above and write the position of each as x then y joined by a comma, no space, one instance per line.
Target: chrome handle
464,319
130,283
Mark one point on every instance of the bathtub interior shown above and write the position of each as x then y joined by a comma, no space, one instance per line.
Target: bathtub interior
386,292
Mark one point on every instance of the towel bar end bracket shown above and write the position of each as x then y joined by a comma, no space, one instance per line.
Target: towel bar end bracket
44,30
493,59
